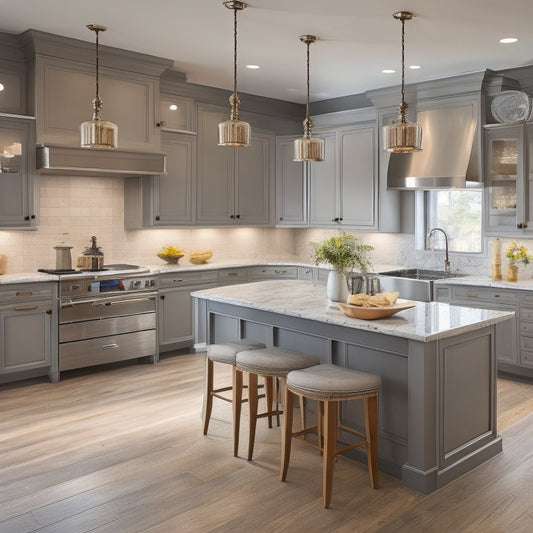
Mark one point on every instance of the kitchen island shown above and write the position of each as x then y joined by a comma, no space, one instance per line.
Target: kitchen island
437,410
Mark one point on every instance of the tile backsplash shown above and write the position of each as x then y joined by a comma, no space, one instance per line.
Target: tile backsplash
74,209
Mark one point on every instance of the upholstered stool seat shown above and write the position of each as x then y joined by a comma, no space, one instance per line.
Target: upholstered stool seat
332,384
227,354
270,363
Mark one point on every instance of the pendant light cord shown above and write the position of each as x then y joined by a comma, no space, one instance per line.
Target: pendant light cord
307,101
235,51
403,60
97,67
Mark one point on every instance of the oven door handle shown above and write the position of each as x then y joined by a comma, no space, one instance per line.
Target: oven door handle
124,301
105,301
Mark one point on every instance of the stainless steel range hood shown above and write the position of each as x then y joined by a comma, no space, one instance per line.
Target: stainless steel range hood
450,153
68,161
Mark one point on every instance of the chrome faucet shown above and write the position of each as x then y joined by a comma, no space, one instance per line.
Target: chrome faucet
446,258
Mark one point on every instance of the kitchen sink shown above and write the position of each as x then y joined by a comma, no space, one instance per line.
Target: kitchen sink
413,283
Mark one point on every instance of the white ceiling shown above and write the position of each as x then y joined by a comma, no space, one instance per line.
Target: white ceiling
357,38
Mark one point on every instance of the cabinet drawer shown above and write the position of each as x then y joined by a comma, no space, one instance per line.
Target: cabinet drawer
526,343
232,275
322,276
181,279
305,273
268,272
526,314
485,295
526,357
526,328
526,299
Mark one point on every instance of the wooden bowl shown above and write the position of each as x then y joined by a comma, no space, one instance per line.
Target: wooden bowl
373,313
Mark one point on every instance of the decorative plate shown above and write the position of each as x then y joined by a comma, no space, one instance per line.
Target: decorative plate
511,107
372,313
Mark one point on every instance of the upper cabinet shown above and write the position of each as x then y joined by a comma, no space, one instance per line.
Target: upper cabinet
343,188
509,179
62,74
18,197
235,185
291,184
177,114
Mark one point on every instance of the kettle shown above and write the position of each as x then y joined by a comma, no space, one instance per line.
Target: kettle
63,258
92,258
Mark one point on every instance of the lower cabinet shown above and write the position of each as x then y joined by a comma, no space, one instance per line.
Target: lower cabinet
175,314
26,333
508,345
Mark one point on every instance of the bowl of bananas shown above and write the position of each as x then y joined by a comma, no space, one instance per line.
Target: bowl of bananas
171,254
199,257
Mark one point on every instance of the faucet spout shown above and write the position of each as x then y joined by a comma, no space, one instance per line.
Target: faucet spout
446,257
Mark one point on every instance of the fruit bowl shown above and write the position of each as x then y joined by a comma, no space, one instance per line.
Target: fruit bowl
170,254
170,259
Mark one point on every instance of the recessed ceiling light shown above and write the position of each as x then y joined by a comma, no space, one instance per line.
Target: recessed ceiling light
388,71
173,107
414,67
252,67
508,40
1,87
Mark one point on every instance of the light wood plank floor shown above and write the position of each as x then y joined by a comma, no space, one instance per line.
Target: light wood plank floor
121,450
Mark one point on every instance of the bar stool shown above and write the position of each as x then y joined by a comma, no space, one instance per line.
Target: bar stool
331,384
269,363
227,354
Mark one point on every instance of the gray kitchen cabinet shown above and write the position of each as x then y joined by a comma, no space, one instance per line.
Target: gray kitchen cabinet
13,96
526,329
175,314
489,298
235,185
166,200
291,185
19,196
307,273
27,319
230,276
63,93
177,114
343,188
509,184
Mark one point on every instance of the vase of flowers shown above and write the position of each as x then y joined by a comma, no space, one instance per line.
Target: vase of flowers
516,253
345,254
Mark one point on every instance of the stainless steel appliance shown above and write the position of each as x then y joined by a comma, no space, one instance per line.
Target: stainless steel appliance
106,317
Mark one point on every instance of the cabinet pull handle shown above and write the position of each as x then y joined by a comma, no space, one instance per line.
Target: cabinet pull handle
473,294
26,307
161,123
233,274
109,346
496,296
280,271
24,293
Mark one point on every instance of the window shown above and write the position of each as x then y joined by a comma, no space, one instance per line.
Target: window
459,213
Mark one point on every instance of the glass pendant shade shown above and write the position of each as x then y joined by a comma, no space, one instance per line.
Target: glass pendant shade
402,137
309,149
98,133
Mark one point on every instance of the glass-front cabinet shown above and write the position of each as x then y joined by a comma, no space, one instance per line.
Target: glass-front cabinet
509,183
17,198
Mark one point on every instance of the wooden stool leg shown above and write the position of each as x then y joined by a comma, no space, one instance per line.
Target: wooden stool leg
236,404
302,413
330,447
320,423
208,393
371,423
269,396
286,433
277,402
252,403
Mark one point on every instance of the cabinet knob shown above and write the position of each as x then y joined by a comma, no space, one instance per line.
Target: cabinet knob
158,218
232,216
520,225
162,297
32,217
281,218
26,217
48,311
336,219
161,124
237,216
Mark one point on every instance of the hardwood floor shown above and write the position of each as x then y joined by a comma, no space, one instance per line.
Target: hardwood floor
122,450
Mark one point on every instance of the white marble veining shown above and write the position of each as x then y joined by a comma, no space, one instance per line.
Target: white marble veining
426,322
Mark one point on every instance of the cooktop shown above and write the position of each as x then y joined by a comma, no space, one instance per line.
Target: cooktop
60,272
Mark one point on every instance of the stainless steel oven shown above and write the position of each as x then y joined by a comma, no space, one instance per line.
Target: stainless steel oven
105,318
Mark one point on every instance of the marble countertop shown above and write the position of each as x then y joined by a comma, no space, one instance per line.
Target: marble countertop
425,322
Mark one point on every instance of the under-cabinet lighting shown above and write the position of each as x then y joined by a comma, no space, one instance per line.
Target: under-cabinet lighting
388,71
2,87
508,40
253,67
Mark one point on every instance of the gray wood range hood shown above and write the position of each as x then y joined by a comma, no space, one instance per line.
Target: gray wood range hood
68,161
450,153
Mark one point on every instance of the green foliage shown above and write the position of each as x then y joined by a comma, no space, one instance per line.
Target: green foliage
517,253
344,253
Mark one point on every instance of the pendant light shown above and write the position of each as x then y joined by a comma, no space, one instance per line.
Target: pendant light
98,133
308,148
401,136
234,132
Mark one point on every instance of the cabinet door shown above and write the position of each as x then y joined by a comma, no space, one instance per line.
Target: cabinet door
358,164
506,208
175,316
173,193
291,185
323,185
253,180
177,114
64,90
215,189
25,336
16,183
